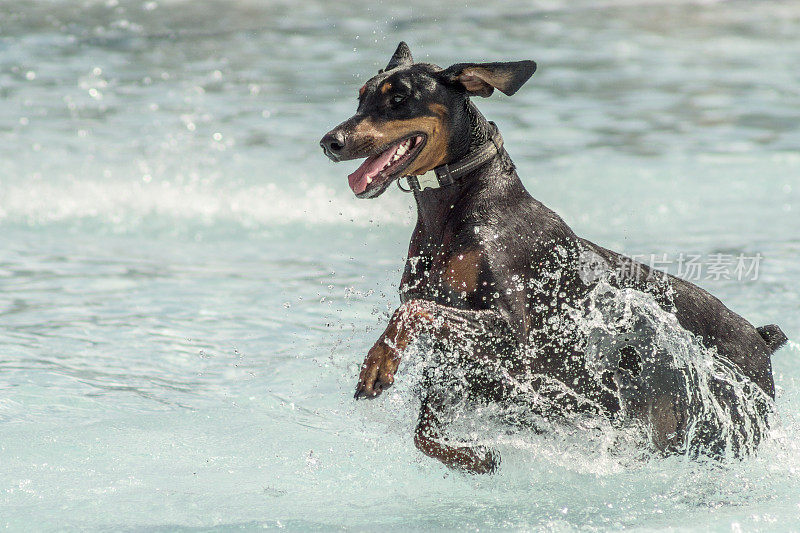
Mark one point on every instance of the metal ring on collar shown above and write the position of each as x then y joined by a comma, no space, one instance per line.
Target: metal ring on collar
399,186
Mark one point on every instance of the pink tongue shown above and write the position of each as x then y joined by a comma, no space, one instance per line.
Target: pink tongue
369,169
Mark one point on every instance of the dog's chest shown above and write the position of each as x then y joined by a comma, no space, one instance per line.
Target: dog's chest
457,279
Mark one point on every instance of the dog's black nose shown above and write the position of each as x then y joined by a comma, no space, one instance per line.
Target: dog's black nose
333,144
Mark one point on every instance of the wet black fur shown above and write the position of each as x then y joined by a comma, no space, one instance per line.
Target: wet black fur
521,241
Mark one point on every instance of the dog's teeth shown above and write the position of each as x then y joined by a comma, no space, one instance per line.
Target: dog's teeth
369,180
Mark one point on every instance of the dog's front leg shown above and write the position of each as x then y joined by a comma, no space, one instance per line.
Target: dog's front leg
485,328
429,439
477,335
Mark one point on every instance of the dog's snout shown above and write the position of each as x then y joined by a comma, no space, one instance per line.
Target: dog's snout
333,143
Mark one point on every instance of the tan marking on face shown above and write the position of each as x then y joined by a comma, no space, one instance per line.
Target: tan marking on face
462,271
362,89
386,87
435,152
438,109
371,134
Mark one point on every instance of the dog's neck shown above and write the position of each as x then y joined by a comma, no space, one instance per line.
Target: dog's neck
480,131
437,207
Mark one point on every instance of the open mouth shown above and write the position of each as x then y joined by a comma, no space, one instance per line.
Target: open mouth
376,173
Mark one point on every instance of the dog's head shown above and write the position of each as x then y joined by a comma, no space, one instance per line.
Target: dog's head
412,117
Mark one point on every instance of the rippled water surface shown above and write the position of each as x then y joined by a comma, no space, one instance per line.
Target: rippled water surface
187,286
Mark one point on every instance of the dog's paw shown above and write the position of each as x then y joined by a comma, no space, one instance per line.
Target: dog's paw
485,461
377,372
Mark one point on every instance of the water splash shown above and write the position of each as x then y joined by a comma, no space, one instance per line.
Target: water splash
686,400
726,415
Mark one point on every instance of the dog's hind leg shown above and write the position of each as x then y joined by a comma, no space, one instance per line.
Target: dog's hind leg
429,439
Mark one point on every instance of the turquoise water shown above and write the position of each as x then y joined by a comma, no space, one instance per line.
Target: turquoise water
187,286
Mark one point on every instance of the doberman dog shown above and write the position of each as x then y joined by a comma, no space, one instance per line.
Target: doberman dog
504,285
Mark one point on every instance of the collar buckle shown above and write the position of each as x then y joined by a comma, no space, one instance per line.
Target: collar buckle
444,175
429,180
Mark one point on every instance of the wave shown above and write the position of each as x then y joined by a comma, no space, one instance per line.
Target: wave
128,205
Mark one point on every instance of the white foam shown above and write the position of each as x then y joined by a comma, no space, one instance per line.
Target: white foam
124,203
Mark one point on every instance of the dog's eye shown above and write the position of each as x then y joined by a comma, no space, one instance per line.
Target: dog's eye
398,99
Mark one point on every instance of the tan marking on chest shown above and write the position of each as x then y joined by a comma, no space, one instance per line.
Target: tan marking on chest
462,271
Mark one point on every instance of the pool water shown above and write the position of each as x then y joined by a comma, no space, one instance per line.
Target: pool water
188,286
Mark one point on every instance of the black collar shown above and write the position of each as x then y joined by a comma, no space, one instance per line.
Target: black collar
447,175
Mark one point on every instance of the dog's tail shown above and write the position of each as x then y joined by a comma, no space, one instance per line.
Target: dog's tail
773,336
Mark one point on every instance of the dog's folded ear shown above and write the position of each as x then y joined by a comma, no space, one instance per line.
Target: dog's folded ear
481,79
401,58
